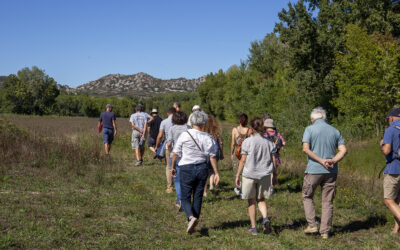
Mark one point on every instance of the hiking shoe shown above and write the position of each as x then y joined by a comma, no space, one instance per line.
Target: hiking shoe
179,206
138,163
253,230
169,190
311,230
191,225
325,236
266,226
237,191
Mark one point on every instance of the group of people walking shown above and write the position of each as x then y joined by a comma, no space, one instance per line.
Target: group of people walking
193,146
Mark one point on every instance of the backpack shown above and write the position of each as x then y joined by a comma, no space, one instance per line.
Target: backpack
275,139
397,152
238,150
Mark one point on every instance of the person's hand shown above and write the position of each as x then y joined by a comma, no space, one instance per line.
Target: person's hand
143,137
173,172
237,181
328,163
115,132
216,179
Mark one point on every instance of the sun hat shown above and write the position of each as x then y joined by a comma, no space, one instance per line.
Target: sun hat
154,111
269,123
196,107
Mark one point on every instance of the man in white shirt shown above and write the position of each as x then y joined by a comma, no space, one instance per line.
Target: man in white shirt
138,123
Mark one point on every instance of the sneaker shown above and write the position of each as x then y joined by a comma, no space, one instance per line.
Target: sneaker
325,236
253,230
178,204
266,226
191,225
138,163
237,191
311,230
169,190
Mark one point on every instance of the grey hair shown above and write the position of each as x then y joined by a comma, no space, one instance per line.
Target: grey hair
318,113
199,118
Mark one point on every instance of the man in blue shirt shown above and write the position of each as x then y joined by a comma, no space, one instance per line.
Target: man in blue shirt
107,120
391,182
320,143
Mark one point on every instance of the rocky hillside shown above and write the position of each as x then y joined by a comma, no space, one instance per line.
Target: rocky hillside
140,84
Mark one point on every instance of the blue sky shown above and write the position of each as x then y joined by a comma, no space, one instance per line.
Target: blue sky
76,41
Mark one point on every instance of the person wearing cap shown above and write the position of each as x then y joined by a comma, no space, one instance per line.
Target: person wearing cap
274,136
391,182
320,144
108,121
153,129
138,123
195,108
165,125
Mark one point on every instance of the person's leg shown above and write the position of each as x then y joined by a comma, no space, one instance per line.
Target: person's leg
141,150
106,148
137,152
310,183
252,211
187,180
198,188
168,172
177,182
212,176
391,186
262,206
328,190
396,222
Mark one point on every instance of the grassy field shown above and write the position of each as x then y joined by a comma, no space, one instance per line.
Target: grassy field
57,190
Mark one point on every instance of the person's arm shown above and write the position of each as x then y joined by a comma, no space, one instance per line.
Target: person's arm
134,126
159,137
214,165
144,130
274,174
240,168
169,146
115,127
385,148
312,155
233,142
221,147
174,160
342,150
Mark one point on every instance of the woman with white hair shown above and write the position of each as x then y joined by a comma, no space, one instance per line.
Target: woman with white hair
195,148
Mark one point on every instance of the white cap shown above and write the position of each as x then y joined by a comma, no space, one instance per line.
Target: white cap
196,107
154,111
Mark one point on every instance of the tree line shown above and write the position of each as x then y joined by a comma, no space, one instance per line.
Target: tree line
342,55
32,92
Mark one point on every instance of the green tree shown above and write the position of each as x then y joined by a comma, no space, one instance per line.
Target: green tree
368,77
31,91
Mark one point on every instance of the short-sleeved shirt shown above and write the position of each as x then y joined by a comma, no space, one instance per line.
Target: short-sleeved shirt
107,119
175,131
391,137
139,119
259,162
155,126
324,140
186,148
165,125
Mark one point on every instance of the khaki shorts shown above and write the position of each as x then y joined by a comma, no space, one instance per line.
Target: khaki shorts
252,188
136,135
391,186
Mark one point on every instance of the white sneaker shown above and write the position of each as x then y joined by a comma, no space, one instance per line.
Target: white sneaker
191,225
237,191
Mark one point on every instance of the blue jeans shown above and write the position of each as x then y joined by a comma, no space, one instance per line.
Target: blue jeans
193,178
177,181
108,135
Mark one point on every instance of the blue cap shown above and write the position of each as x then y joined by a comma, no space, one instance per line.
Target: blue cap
395,112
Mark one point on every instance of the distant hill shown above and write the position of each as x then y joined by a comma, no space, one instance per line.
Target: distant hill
140,84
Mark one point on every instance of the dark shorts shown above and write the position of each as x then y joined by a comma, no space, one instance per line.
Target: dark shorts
151,142
108,135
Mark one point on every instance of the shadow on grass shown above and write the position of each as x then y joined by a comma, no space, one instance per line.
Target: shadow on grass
232,224
353,226
295,225
203,232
